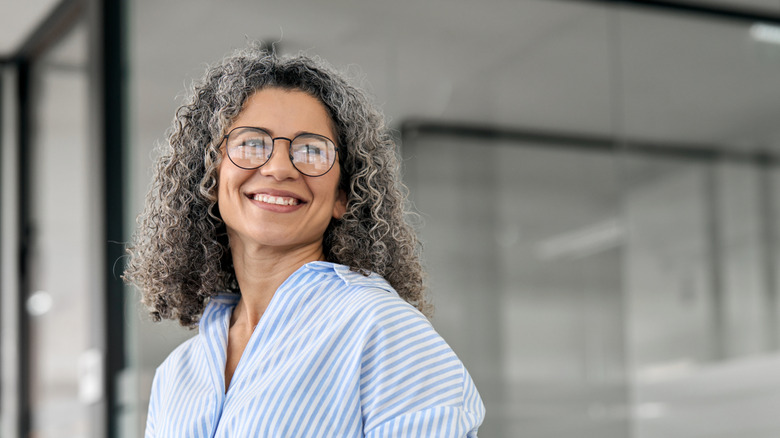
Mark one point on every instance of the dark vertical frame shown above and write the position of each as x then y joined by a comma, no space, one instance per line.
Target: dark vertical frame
112,109
24,421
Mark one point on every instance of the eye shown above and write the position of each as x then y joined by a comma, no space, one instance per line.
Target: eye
252,148
312,149
310,153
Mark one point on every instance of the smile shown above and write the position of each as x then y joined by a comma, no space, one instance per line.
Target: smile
277,200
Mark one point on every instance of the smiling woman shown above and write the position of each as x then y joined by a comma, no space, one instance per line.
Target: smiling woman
276,225
275,209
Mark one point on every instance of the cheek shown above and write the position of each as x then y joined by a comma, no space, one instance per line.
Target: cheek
340,207
331,187
227,180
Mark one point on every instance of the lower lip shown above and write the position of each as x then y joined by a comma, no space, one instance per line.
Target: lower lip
276,208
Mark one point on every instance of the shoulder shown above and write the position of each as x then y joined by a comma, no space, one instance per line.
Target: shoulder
409,375
371,298
185,353
189,354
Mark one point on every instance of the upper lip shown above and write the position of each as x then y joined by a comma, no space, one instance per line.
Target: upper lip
274,192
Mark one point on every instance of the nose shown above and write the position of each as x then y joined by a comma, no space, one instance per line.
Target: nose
280,166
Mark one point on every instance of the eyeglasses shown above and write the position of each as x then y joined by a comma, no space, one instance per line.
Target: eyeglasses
250,148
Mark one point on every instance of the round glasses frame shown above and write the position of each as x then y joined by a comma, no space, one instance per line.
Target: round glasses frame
226,140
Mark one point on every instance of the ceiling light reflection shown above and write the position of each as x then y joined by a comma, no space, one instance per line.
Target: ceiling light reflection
39,303
765,33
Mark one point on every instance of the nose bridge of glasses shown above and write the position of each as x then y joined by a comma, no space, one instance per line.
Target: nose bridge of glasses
289,144
281,138
279,154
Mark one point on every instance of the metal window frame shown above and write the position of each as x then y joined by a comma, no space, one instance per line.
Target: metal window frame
734,13
685,151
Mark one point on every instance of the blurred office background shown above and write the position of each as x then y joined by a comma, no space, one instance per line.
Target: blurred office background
598,183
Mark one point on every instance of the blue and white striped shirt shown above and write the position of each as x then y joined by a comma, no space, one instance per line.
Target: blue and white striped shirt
336,354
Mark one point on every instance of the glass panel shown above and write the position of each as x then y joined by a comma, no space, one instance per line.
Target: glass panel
701,272
523,247
743,269
668,265
64,237
700,309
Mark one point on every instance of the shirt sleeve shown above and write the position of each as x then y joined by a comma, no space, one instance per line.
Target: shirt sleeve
411,382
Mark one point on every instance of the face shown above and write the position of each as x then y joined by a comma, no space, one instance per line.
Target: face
275,205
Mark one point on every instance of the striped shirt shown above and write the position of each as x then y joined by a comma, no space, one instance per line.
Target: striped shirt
336,354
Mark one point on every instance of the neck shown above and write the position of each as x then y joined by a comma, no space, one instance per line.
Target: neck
260,271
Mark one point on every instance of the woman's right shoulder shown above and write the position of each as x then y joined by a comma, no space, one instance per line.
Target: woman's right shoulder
190,351
184,353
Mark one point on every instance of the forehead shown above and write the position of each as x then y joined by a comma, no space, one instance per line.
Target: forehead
285,112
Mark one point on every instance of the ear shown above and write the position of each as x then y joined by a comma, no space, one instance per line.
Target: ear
340,206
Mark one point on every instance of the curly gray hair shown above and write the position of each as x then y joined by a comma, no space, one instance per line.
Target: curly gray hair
180,255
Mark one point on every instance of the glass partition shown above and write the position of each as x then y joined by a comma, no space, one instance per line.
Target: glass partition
523,244
622,282
66,367
701,265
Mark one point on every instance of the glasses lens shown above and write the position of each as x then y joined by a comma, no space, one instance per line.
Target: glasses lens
249,148
313,155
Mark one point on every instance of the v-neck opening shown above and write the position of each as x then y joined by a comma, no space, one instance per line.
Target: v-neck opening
268,317
216,321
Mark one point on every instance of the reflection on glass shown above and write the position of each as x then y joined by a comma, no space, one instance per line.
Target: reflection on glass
701,311
588,301
523,245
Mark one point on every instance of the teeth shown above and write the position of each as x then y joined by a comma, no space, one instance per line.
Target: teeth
278,200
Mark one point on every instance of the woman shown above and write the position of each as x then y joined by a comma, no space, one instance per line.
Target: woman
276,225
